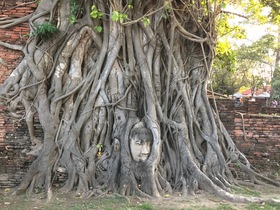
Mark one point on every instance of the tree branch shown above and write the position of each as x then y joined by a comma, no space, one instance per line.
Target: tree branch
234,13
11,46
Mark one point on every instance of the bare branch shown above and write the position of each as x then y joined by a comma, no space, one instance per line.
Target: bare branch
11,46
236,14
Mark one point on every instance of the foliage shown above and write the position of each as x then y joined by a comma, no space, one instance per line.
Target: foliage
73,11
130,4
45,30
274,18
248,58
95,13
276,84
225,82
226,57
226,30
98,28
224,78
146,21
99,146
258,51
254,59
167,9
255,10
275,10
234,68
117,16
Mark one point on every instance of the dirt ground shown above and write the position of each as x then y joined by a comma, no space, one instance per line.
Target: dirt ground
201,201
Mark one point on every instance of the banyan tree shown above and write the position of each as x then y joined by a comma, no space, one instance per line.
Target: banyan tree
119,88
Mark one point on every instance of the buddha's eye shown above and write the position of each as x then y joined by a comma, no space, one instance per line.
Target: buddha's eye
138,142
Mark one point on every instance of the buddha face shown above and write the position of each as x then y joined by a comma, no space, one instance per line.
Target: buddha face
140,143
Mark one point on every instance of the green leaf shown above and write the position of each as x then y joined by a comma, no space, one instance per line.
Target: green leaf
95,13
223,5
72,19
146,21
164,15
166,6
129,6
115,16
121,19
99,146
73,11
119,16
45,30
98,28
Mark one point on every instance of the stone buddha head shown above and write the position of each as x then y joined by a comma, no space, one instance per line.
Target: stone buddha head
141,139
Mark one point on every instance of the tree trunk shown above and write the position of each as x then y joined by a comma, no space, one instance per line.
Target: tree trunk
124,109
275,88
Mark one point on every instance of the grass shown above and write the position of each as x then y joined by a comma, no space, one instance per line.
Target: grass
102,203
253,206
246,191
199,202
225,207
119,203
98,203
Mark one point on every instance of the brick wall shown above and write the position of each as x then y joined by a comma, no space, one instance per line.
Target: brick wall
14,35
13,133
257,134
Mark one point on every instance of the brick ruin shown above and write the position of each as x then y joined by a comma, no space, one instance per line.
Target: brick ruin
14,137
254,127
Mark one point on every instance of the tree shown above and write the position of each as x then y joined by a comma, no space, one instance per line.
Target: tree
224,77
235,64
253,60
274,18
108,77
275,90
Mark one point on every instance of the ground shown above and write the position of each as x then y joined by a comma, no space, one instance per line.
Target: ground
201,201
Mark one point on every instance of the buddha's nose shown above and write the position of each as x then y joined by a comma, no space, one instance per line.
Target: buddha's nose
145,149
